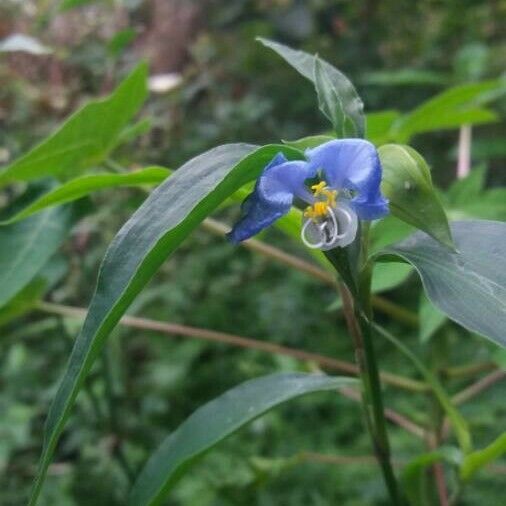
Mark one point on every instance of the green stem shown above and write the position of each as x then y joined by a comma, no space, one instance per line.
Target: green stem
457,420
360,330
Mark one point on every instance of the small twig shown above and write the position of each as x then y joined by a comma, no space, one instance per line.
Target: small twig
393,416
439,476
379,303
275,253
478,387
461,371
472,391
243,342
239,341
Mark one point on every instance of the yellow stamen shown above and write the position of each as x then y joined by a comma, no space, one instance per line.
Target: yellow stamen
320,208
318,188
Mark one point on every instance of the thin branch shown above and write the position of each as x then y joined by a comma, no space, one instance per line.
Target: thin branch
438,470
472,391
379,303
275,253
461,371
392,415
478,387
243,342
239,341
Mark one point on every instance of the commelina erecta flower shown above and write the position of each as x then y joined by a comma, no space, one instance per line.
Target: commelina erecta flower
339,182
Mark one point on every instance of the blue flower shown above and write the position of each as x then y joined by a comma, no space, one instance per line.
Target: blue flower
349,173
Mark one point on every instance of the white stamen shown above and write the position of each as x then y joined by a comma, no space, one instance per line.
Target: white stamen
337,229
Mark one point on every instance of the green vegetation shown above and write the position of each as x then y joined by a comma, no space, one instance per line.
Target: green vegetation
114,201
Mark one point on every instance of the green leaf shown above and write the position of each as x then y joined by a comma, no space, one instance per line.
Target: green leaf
491,205
82,186
499,357
379,125
408,185
387,276
468,189
27,246
309,142
387,231
171,212
452,108
23,301
120,40
414,477
72,4
131,132
468,285
85,138
431,319
216,420
30,296
329,101
480,458
468,198
304,63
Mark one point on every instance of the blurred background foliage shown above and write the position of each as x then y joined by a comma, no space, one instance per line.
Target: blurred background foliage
211,83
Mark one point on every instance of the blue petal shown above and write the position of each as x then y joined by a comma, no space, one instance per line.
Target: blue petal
273,196
352,164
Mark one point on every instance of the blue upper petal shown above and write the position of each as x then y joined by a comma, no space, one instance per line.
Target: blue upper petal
273,196
352,164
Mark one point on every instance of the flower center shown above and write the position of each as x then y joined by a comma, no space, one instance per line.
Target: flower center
326,199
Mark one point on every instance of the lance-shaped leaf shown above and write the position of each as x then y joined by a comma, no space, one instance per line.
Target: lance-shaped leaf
408,185
468,285
329,101
83,186
27,246
431,319
450,109
165,219
480,458
332,84
85,138
216,420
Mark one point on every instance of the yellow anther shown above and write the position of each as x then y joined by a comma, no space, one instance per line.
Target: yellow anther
317,210
319,188
320,208
331,197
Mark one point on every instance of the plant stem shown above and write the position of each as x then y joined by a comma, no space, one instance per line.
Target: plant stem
439,477
360,331
239,341
439,352
462,371
478,387
390,414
